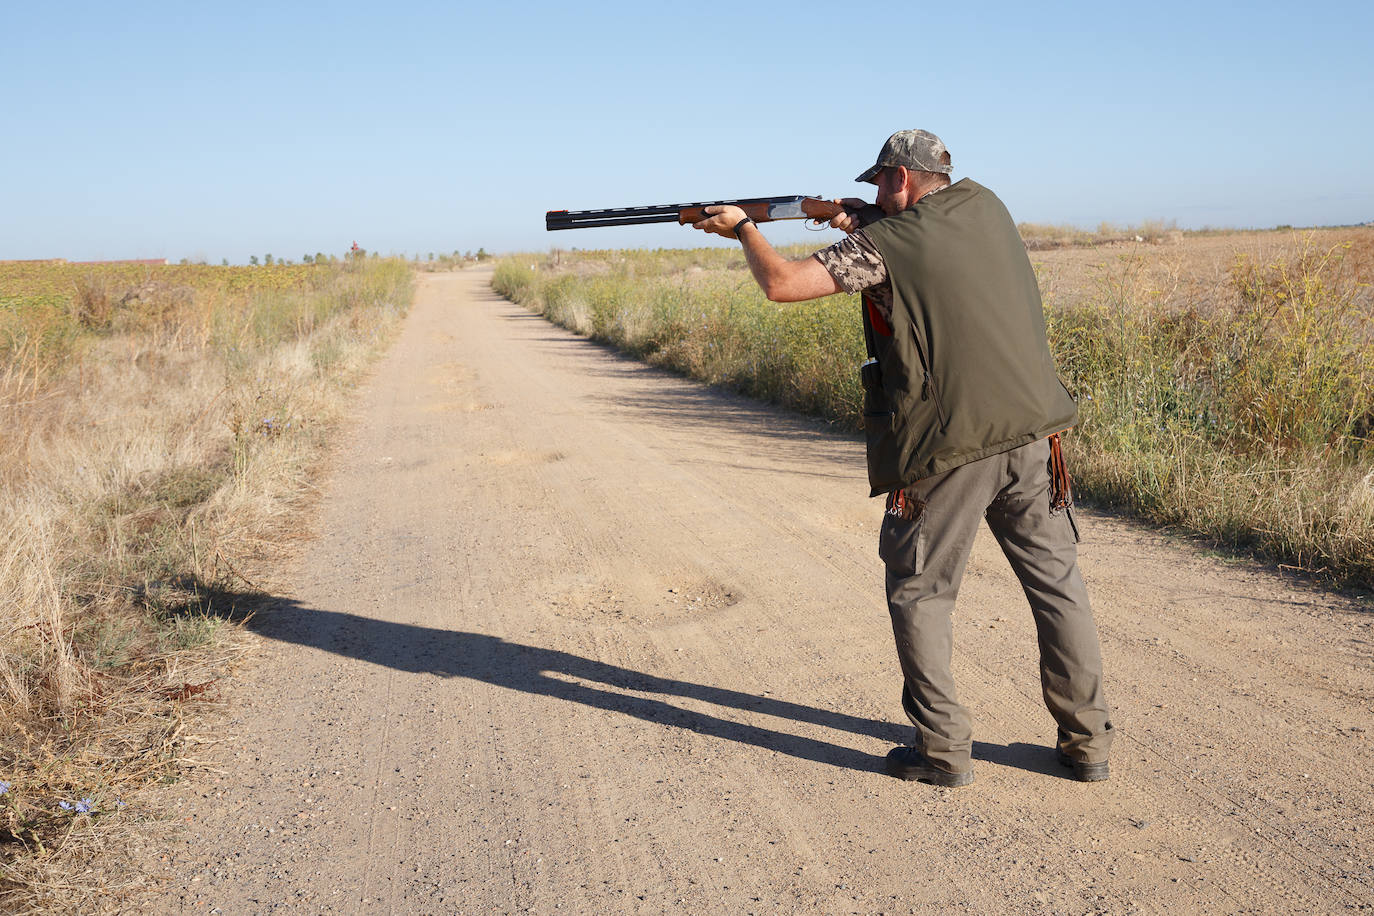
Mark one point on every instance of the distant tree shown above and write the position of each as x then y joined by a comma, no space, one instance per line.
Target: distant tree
267,259
253,259
307,259
223,262
320,257
482,254
431,256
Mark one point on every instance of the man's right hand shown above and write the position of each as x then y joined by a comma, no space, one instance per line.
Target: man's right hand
721,220
848,221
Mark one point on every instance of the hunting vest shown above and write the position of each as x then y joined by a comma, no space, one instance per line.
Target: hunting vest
963,367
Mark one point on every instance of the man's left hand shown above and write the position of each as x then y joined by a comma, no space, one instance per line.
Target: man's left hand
722,220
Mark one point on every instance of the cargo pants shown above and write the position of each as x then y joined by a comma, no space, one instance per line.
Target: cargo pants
925,555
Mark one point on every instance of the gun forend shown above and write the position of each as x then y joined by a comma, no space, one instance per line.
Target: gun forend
759,209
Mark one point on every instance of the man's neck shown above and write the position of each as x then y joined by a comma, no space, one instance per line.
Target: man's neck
929,191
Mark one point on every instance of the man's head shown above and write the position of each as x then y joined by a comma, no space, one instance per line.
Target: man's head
911,163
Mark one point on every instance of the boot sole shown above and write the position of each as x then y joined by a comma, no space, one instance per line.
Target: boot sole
928,774
1084,771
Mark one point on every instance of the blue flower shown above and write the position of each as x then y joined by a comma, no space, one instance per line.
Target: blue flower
4,788
65,805
84,806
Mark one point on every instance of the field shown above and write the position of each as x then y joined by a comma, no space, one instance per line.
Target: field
1225,381
160,426
164,424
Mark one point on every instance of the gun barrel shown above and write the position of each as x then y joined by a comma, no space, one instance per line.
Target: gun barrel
586,219
634,216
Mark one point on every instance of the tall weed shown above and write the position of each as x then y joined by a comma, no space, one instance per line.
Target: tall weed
1247,423
700,313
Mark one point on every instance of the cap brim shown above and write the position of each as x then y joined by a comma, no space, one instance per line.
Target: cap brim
869,173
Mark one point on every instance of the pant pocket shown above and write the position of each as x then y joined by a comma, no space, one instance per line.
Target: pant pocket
902,543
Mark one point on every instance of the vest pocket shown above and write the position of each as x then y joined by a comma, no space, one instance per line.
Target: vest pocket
929,390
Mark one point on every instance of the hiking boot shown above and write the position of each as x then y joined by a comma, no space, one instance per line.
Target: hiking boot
910,764
1084,771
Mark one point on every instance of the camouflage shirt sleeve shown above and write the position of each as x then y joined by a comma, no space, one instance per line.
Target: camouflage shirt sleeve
854,262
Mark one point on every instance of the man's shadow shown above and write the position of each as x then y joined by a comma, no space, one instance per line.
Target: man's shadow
562,675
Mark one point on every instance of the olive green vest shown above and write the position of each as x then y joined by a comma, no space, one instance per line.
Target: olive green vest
966,372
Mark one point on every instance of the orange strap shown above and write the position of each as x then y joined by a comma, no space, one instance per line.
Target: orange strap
1061,484
899,505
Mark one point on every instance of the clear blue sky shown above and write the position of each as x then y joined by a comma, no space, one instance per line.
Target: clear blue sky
188,130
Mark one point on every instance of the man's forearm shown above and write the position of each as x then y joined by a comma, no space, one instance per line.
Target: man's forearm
767,266
780,279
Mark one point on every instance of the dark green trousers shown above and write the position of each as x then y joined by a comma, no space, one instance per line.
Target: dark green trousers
925,556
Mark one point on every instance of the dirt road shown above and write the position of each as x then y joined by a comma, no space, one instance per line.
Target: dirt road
578,636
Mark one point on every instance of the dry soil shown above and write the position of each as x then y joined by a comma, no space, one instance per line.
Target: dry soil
579,636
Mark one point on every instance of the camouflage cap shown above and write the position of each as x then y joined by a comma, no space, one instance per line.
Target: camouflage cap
916,149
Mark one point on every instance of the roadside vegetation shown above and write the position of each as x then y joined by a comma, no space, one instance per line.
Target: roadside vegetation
160,424
1041,236
1231,397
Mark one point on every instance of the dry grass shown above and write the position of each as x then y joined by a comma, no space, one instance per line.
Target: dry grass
1243,415
160,434
1194,273
1042,236
700,313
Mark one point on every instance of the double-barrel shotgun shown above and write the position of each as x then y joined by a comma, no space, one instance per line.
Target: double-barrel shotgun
759,209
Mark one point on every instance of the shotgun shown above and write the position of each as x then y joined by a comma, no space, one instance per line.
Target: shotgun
759,209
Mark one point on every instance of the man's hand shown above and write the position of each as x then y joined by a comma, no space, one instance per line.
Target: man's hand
722,220
848,221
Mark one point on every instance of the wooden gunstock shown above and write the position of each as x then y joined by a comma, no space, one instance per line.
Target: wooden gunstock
757,212
769,211
821,210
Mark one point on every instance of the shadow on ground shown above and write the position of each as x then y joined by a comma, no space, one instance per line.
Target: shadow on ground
550,672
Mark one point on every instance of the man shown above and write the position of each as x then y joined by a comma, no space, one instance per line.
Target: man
962,409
